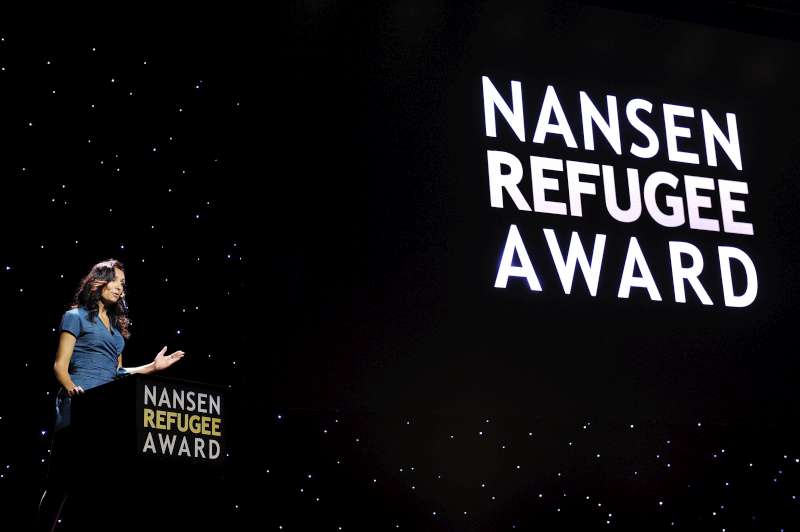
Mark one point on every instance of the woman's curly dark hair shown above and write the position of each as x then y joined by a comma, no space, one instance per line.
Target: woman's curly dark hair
89,291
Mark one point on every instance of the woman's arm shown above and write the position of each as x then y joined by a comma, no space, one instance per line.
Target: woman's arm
147,368
66,343
160,363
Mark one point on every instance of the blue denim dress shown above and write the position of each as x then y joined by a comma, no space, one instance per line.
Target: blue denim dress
94,358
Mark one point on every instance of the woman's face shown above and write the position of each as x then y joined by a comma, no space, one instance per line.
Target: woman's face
114,289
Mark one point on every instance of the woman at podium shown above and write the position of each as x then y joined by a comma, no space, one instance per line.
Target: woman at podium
91,339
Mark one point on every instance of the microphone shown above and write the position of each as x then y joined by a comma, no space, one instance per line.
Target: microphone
123,305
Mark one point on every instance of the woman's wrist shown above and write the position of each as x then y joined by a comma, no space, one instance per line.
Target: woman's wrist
64,380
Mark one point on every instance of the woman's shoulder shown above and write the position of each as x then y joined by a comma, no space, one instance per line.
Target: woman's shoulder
77,311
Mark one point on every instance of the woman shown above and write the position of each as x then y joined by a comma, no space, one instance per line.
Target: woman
92,337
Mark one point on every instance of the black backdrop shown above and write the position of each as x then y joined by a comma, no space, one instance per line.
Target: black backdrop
302,205
406,246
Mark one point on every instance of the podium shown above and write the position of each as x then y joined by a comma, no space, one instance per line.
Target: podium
149,454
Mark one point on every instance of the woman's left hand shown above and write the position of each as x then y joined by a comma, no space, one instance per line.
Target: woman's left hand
163,362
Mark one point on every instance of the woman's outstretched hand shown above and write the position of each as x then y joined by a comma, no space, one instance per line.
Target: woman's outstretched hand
163,362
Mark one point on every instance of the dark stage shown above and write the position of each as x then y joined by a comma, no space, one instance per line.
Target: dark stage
315,204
